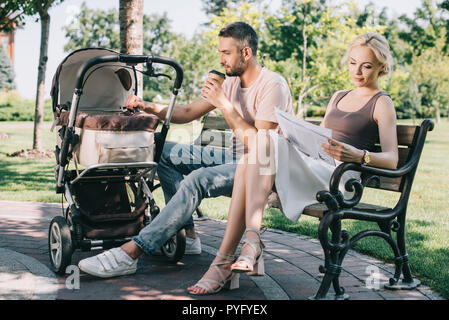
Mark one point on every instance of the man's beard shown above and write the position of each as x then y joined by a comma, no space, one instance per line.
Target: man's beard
238,70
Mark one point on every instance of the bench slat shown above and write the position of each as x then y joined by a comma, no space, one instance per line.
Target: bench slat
317,210
214,138
216,133
393,184
406,134
403,153
216,123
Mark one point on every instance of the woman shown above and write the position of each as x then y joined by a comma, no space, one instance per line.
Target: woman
357,118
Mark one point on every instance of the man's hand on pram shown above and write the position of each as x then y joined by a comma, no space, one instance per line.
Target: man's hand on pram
134,104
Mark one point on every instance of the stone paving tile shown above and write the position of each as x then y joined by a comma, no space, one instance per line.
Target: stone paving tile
352,283
296,256
14,275
429,293
310,266
291,261
366,295
279,250
403,295
298,290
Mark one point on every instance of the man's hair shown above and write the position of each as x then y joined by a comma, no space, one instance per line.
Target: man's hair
243,33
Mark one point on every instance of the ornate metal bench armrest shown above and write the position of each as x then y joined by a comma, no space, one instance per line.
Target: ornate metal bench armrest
405,169
334,199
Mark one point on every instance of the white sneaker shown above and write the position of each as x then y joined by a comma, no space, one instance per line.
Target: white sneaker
111,263
193,246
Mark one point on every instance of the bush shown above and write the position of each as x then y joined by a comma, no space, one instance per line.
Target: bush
14,108
315,111
7,74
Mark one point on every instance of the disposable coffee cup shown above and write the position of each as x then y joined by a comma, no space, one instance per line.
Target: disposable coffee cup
217,75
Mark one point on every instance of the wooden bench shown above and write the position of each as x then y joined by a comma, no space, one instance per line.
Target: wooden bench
215,133
332,208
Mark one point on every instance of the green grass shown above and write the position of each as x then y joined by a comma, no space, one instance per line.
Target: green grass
26,179
427,216
15,108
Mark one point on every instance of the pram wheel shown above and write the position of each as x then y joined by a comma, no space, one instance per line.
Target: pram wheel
59,244
175,247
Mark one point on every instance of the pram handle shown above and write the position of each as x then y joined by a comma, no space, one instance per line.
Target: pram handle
131,59
157,59
175,65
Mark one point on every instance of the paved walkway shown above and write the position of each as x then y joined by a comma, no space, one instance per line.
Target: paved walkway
291,266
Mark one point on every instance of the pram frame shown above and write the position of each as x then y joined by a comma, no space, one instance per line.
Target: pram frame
69,226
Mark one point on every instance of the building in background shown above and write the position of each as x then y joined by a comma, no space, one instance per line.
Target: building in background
7,43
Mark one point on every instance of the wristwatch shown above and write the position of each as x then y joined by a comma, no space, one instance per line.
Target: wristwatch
366,157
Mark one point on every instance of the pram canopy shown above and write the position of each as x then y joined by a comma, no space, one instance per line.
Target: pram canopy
106,85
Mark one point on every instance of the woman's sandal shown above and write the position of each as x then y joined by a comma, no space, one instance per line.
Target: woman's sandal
251,264
206,284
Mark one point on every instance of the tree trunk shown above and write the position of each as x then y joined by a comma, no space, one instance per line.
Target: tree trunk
300,113
437,113
301,97
131,32
40,92
304,59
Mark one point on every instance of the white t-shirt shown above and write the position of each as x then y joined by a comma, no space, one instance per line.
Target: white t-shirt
258,101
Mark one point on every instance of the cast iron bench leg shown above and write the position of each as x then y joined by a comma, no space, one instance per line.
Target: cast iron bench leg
333,260
401,262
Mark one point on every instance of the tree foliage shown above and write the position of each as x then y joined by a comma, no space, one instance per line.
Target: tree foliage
100,28
13,13
431,71
286,31
314,68
93,28
7,74
305,41
215,7
426,27
243,12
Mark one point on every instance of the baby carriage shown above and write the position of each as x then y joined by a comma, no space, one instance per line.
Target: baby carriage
106,157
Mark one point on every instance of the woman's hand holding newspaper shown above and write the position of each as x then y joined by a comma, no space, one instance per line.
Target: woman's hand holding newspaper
342,151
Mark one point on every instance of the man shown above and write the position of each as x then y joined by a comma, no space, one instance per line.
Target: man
247,100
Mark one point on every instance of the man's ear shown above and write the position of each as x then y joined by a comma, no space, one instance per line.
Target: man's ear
247,53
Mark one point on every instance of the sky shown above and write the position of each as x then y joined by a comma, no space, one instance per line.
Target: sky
186,17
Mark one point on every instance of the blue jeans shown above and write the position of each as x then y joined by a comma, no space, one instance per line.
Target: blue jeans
188,174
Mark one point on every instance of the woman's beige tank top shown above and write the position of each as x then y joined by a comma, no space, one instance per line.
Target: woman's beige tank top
356,128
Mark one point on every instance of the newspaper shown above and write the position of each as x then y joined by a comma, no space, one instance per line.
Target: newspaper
305,136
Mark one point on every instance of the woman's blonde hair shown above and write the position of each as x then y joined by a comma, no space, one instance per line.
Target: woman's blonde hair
379,45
